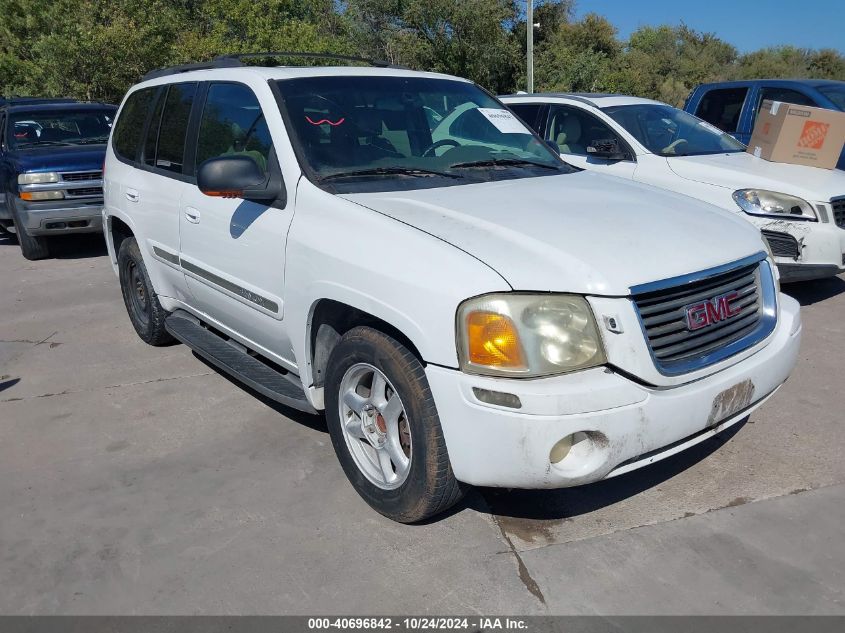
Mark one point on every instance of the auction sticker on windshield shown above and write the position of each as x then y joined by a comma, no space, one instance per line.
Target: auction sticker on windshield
504,120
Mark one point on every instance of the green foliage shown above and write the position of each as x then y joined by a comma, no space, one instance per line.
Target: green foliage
96,49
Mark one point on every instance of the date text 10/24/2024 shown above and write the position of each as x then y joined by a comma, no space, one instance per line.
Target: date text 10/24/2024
419,623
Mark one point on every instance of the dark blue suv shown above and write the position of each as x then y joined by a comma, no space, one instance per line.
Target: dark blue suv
51,169
732,106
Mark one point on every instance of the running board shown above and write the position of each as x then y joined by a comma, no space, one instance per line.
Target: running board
234,360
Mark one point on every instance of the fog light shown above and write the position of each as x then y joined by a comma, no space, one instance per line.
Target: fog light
498,398
561,449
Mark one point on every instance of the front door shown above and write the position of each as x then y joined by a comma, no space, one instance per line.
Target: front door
574,130
233,250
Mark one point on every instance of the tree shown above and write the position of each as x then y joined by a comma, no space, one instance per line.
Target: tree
578,56
469,38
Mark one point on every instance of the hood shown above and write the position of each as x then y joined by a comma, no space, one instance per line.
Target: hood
582,232
742,170
60,158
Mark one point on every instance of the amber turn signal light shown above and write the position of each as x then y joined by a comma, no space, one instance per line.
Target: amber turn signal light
492,341
224,194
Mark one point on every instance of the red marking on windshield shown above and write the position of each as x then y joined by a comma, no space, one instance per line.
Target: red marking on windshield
321,121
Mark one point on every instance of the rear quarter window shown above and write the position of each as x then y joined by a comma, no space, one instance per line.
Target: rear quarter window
130,125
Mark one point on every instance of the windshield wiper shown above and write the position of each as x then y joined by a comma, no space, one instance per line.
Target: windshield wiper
504,162
389,171
27,144
98,139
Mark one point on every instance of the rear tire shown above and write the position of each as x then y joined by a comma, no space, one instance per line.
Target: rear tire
141,301
418,482
33,247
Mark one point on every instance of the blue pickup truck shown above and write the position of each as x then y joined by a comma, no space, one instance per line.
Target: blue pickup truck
732,106
51,169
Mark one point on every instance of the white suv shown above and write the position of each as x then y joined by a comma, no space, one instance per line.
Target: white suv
800,210
464,306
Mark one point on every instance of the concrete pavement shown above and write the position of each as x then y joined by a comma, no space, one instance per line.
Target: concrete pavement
136,480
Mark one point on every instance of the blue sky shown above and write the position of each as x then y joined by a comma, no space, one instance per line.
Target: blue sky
747,24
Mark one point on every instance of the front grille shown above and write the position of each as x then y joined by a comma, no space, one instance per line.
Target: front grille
678,349
782,244
82,175
839,212
84,191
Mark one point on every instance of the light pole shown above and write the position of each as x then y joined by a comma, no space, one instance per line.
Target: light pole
529,32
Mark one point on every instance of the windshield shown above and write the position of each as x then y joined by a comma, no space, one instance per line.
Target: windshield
835,94
388,133
60,127
667,131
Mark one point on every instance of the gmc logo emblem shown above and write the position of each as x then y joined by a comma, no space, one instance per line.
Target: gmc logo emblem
711,311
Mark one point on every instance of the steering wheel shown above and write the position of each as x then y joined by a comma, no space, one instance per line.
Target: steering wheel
429,151
670,148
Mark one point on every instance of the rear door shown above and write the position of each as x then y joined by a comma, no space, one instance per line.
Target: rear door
153,188
233,250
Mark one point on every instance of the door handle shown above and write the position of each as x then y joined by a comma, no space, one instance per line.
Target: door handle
192,215
132,195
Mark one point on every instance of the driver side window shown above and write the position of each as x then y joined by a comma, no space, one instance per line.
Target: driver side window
574,130
232,123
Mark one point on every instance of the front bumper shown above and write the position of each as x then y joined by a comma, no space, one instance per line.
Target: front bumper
61,216
822,250
624,424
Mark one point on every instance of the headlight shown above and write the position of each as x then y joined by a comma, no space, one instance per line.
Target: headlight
38,178
524,335
762,202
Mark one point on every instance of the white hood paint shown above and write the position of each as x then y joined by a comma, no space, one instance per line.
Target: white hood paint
741,170
580,232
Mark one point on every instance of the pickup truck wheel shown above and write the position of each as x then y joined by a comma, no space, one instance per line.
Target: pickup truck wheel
385,429
142,304
33,247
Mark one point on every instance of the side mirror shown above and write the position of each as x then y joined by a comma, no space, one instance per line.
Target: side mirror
236,177
607,149
555,147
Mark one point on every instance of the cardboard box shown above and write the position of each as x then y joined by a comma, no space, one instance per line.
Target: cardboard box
788,133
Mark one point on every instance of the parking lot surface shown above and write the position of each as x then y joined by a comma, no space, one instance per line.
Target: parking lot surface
140,480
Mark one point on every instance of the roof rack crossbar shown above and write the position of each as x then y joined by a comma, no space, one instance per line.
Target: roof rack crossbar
346,58
234,60
184,68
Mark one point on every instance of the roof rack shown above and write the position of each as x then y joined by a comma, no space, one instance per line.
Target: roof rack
235,60
13,101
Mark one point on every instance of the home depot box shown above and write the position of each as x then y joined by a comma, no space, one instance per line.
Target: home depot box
788,133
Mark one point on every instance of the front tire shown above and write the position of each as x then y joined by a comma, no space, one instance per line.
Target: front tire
33,247
385,429
142,304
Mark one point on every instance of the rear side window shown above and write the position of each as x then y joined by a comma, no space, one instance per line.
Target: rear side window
165,146
232,124
528,112
722,108
149,155
130,126
786,95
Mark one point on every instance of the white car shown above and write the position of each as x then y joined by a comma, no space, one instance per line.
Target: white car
463,312
800,210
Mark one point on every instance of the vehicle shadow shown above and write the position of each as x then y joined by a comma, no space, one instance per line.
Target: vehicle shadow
810,292
315,422
79,246
542,505
567,503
